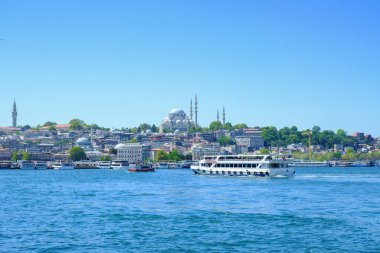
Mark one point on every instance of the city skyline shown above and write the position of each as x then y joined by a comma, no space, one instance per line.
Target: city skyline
120,64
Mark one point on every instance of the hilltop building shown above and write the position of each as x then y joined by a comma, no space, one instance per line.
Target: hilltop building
176,120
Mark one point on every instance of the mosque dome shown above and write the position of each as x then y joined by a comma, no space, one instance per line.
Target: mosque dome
177,111
176,119
83,140
120,146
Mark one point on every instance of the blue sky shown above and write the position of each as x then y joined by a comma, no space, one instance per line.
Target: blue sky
120,63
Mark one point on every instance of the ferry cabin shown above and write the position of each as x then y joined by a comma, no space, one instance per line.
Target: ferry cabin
245,165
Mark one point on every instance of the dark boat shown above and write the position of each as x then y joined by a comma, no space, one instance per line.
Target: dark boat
141,168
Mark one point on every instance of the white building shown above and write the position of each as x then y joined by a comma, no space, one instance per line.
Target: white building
133,152
199,151
176,120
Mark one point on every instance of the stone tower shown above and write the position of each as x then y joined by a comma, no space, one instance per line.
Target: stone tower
14,115
196,110
191,109
217,115
224,116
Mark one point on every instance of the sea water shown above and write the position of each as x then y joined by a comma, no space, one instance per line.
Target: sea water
318,210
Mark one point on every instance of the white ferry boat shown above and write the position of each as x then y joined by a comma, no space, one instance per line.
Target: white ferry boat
104,165
303,163
119,165
40,165
26,165
245,165
63,166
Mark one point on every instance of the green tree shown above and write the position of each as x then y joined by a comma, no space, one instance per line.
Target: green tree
154,128
215,125
144,127
161,156
15,155
240,126
25,156
49,123
133,140
175,155
76,124
105,158
77,153
228,126
52,128
225,140
264,151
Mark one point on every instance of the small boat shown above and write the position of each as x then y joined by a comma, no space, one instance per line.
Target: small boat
26,165
85,165
163,166
5,164
63,166
141,168
40,165
104,165
119,165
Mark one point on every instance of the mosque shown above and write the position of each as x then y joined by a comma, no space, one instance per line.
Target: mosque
178,120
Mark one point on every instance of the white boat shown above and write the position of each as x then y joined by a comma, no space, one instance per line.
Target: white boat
85,165
63,166
104,165
40,165
245,165
303,163
119,165
163,166
26,165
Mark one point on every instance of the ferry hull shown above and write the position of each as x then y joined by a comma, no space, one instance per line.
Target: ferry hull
283,172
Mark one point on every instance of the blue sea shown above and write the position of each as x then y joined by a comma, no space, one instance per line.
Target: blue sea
318,210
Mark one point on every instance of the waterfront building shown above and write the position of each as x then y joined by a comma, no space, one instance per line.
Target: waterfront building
199,151
133,152
176,120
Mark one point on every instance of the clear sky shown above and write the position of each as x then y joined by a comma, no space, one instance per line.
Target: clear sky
120,63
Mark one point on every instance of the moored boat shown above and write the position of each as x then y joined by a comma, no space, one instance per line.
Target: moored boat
303,163
26,165
62,165
119,165
141,168
5,165
245,165
40,165
104,165
85,165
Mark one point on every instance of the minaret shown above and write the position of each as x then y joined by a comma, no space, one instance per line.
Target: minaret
191,109
217,115
224,116
92,137
196,111
14,115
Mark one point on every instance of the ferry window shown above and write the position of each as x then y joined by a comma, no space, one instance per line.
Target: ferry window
240,165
